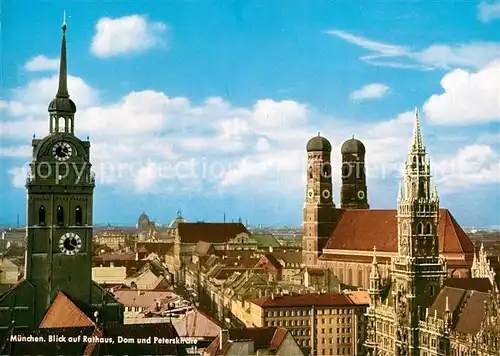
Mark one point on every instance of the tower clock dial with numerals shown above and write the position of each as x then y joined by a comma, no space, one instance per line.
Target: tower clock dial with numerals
62,151
70,243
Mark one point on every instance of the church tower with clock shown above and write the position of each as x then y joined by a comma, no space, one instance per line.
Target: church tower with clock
354,192
60,191
319,208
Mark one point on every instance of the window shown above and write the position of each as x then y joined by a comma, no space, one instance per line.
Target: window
60,216
420,228
78,216
41,216
428,229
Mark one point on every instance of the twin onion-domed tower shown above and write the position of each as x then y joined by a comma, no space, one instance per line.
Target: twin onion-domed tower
319,207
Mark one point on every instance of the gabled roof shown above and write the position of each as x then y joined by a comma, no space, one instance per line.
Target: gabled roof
196,323
272,260
363,229
144,299
63,313
267,338
209,232
203,248
160,248
467,307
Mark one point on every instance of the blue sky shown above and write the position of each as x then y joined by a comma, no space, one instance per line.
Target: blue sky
207,106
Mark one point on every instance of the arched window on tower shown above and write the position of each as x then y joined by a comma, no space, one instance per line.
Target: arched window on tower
421,189
61,124
420,228
41,216
60,216
310,172
428,229
78,216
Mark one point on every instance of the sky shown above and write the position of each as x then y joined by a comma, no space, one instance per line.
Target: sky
206,107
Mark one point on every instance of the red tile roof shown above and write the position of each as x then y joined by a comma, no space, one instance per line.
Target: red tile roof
319,272
114,257
139,298
160,248
304,300
210,232
63,313
196,323
271,259
267,338
354,258
363,229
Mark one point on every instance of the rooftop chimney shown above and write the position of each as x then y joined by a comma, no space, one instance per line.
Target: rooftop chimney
272,295
223,337
270,249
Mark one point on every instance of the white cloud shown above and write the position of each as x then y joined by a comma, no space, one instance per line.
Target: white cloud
32,100
472,165
126,34
468,98
370,91
150,142
18,175
437,56
41,63
488,11
19,151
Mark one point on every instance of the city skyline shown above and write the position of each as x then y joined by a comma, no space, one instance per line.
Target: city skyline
251,121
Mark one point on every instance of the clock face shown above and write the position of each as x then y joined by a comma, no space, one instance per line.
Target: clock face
310,193
326,194
62,151
361,194
70,243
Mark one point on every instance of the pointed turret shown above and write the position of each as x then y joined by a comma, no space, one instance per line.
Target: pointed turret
375,280
400,192
62,108
417,143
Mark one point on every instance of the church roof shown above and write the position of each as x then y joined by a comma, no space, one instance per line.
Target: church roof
363,229
210,232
